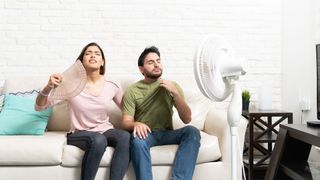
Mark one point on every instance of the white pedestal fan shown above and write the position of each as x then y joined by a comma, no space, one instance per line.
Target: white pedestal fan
216,72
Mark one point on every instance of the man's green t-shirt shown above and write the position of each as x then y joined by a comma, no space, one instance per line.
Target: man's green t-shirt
150,104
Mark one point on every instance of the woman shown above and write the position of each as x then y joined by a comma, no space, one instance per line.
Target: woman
91,129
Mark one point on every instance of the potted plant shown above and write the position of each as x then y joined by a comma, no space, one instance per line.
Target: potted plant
245,100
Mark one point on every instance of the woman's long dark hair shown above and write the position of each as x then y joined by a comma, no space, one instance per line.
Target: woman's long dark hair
80,57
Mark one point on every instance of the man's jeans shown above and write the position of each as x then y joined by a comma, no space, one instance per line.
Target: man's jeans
94,145
188,139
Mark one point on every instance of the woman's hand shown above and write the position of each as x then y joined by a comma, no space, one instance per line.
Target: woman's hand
54,80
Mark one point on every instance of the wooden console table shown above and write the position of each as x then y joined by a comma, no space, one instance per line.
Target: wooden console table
291,153
262,134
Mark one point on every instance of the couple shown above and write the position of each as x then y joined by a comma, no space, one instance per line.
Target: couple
147,113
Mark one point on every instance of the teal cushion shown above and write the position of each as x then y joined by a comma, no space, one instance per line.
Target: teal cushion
18,116
1,101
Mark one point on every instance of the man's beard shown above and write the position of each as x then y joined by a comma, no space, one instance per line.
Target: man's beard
153,76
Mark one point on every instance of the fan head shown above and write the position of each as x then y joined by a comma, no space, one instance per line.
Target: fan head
215,66
73,82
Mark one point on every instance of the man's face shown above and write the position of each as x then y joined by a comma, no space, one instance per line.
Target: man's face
152,67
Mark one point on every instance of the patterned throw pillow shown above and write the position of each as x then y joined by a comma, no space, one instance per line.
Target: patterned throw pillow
25,93
19,93
19,117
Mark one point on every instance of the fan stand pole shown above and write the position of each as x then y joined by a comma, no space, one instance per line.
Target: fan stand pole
234,114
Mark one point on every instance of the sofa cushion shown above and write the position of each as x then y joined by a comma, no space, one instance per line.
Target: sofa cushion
199,106
19,117
60,117
24,83
32,150
161,155
1,101
72,156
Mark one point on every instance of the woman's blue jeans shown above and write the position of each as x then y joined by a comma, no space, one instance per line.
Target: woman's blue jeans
188,139
94,144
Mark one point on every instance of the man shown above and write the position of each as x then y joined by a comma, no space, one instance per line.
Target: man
147,112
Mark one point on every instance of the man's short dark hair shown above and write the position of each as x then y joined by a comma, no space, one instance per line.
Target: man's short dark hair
147,50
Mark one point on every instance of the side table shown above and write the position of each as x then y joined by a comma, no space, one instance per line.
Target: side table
262,134
291,153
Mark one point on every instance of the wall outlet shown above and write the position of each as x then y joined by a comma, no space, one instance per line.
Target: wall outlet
304,104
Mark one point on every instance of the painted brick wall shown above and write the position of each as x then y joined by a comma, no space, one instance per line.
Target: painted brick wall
43,37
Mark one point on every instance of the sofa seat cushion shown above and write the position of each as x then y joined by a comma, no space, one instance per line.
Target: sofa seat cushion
72,156
32,150
161,155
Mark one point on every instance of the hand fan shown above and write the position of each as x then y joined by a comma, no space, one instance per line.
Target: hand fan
73,82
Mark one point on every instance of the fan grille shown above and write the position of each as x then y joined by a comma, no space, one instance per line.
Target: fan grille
211,51
73,82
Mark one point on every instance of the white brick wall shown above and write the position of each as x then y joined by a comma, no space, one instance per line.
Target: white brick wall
43,37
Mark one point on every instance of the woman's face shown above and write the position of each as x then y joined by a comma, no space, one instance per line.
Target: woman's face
92,59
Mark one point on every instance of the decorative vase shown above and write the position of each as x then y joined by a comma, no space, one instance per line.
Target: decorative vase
245,105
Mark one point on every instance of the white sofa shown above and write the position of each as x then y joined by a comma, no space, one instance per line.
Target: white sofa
26,157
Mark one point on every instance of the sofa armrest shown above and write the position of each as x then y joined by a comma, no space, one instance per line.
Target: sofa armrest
216,124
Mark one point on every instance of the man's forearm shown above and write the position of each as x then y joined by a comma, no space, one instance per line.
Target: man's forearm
127,126
128,122
182,108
